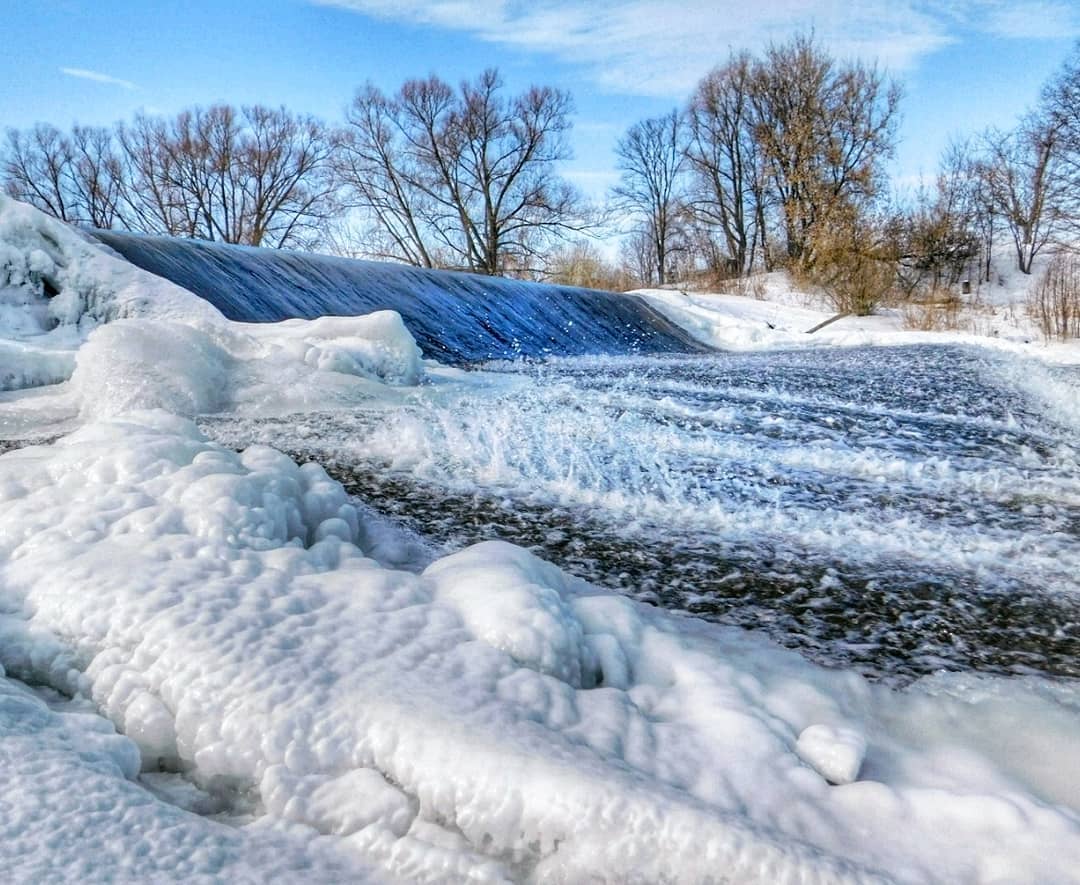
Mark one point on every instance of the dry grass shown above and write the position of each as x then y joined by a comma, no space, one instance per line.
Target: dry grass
752,286
937,311
1054,302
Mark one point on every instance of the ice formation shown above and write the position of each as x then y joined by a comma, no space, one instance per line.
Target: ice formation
489,719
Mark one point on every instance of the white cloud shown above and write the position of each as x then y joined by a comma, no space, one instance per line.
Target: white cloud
661,48
1032,19
98,77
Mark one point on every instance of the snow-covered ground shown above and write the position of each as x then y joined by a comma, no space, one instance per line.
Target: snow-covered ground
210,670
780,315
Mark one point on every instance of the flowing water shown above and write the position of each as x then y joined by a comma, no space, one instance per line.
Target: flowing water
895,510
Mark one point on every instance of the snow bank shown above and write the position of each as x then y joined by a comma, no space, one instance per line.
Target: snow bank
75,811
781,320
492,718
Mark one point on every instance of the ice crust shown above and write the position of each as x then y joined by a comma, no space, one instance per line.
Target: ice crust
489,719
73,810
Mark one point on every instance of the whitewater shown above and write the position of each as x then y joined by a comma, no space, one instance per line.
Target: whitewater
292,601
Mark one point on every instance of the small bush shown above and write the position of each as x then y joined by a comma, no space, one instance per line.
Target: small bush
1054,303
747,286
938,311
855,282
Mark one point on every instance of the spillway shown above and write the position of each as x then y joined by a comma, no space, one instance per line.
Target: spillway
455,317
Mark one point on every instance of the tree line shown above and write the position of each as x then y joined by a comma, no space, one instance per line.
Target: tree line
775,159
779,160
433,175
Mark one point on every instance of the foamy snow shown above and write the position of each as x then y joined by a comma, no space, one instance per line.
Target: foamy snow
489,719
493,716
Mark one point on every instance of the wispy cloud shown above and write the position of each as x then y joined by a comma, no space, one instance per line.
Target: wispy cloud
1032,19
660,47
657,47
98,77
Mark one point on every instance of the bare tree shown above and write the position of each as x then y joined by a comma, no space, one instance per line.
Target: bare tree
1054,301
825,130
1060,108
150,201
728,189
650,157
464,177
97,175
1024,185
937,237
37,167
637,255
386,178
258,176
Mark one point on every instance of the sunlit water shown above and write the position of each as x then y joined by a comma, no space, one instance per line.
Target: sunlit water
897,510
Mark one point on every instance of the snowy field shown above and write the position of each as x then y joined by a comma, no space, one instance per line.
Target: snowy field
218,665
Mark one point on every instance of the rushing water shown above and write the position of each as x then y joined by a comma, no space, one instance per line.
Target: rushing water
896,510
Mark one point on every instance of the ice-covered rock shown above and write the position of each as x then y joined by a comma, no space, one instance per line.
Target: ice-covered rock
133,340
834,753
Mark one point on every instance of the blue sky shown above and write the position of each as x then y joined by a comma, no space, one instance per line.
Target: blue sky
965,65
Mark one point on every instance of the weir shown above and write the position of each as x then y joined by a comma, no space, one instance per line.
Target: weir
455,317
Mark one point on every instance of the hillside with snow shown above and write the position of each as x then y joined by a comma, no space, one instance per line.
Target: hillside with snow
775,313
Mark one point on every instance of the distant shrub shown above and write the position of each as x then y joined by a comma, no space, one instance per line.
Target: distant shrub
748,286
1054,303
581,264
937,311
855,281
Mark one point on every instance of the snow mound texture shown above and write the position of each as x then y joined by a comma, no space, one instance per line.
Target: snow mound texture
492,719
149,343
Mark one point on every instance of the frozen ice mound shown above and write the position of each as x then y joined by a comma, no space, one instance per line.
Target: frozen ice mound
491,719
52,275
70,307
75,811
375,345
834,753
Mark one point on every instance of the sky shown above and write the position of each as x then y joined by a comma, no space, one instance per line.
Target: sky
964,65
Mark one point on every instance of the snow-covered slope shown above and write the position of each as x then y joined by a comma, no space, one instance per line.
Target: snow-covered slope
995,316
297,708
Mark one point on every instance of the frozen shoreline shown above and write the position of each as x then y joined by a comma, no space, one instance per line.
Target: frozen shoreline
781,319
492,718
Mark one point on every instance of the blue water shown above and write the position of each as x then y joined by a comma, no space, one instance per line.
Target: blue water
455,317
